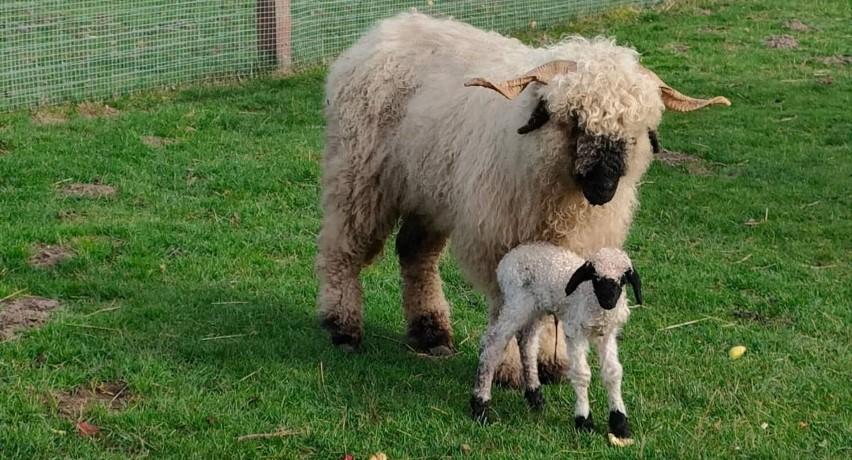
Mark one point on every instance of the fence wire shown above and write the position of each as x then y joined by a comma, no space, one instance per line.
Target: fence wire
54,51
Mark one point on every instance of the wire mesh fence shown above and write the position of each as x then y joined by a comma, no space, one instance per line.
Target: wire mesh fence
54,51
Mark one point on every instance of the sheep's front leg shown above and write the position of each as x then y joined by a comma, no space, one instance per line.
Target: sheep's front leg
580,375
611,374
528,342
491,348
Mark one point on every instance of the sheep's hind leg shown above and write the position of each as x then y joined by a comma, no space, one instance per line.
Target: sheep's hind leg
528,343
350,238
427,312
611,374
580,375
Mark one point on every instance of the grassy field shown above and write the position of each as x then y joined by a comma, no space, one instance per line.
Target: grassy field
187,292
61,51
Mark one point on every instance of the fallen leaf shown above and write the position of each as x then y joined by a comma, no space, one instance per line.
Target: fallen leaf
379,456
620,442
736,352
466,449
764,425
803,425
87,429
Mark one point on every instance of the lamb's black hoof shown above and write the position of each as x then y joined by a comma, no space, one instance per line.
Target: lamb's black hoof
584,424
441,350
535,399
479,410
618,425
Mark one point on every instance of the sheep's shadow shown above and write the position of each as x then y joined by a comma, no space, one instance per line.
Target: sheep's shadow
283,336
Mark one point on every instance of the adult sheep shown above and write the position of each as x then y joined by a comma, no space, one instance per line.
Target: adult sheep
554,153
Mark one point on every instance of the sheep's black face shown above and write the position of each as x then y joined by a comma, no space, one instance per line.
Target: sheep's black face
607,291
598,166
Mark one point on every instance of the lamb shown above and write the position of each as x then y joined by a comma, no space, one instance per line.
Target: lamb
541,279
468,136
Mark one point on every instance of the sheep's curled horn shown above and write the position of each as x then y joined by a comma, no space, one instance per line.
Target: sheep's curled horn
544,74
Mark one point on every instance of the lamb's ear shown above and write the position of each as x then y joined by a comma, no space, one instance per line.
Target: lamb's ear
542,74
539,117
633,278
584,273
655,141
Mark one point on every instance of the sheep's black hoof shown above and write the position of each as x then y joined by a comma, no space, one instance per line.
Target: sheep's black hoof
479,410
552,372
431,334
584,424
618,425
348,343
535,399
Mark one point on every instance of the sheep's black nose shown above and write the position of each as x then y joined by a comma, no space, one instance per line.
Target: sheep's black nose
600,194
608,303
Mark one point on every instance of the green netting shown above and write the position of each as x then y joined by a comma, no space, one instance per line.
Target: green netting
54,51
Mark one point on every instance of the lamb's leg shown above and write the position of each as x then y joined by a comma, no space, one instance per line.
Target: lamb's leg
580,375
528,342
427,312
491,347
356,222
552,355
611,374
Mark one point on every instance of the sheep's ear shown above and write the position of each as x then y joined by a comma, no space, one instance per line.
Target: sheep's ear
634,280
542,74
655,141
539,117
584,273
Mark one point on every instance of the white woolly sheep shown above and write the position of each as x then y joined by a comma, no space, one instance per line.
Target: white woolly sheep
541,279
411,136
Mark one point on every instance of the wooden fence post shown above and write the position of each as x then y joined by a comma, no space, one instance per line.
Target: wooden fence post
284,35
274,34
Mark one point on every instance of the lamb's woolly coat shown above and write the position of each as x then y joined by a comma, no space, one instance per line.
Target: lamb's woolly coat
398,112
540,279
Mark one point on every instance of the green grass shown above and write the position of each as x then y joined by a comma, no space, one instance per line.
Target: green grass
61,51
214,235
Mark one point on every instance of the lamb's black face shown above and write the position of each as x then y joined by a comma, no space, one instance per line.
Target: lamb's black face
598,166
607,291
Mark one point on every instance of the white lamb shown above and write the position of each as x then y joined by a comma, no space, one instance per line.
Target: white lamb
539,279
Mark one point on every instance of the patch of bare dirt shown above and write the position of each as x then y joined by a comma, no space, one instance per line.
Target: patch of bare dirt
762,318
24,313
838,60
704,12
88,190
692,164
781,42
5,148
797,25
156,142
67,214
91,110
48,117
679,48
826,80
48,256
73,403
